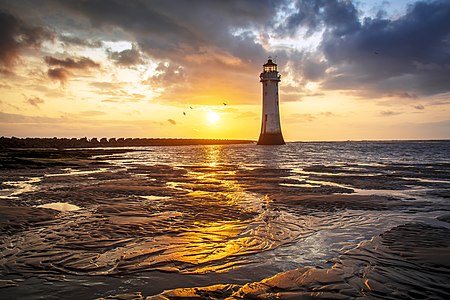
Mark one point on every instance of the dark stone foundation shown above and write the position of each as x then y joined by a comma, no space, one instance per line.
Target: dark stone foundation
271,139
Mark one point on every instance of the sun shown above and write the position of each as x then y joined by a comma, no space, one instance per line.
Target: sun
213,117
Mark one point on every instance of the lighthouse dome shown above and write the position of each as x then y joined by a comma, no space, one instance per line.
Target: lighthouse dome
270,66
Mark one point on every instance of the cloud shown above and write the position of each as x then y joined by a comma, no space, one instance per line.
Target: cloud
247,114
160,25
403,57
71,63
297,117
69,125
303,67
16,35
340,17
5,71
106,85
59,74
91,113
116,92
35,101
382,55
126,57
388,113
401,95
18,118
77,41
171,121
327,114
166,74
213,35
375,57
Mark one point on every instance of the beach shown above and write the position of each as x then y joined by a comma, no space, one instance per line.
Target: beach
338,220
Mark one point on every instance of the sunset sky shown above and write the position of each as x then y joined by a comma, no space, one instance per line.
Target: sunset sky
351,70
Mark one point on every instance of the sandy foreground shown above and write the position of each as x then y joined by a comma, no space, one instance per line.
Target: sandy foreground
394,265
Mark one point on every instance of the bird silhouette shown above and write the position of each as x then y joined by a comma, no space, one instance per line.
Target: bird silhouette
224,103
184,113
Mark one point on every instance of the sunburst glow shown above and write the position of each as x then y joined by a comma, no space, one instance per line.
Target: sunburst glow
212,117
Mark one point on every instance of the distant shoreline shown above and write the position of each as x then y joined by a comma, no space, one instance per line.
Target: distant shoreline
62,143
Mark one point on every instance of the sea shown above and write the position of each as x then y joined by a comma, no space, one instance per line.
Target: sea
166,221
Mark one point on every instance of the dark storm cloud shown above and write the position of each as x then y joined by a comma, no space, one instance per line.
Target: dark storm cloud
405,57
133,16
126,57
16,35
72,63
166,29
341,17
408,55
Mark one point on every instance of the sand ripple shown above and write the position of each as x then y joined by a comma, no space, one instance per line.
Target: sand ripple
395,265
205,215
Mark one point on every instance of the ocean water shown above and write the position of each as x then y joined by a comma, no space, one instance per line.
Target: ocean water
160,218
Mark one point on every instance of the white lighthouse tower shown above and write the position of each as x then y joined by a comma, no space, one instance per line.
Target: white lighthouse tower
270,125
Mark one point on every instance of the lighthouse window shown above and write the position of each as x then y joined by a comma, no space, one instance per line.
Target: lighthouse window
265,84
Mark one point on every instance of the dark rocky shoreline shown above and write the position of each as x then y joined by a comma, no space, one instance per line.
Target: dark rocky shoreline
59,143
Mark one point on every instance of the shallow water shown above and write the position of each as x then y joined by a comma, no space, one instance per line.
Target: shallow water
160,218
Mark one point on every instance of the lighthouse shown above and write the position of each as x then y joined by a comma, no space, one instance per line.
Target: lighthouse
270,125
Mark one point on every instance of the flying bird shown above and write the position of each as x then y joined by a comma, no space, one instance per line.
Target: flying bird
184,113
190,107
224,103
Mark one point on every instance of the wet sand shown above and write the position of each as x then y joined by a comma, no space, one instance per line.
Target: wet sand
89,224
394,265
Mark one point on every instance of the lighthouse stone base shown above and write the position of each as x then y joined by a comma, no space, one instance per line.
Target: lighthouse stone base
271,139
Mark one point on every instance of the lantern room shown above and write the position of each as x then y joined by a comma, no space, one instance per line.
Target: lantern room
270,66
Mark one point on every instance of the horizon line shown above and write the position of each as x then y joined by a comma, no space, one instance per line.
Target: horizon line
234,139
